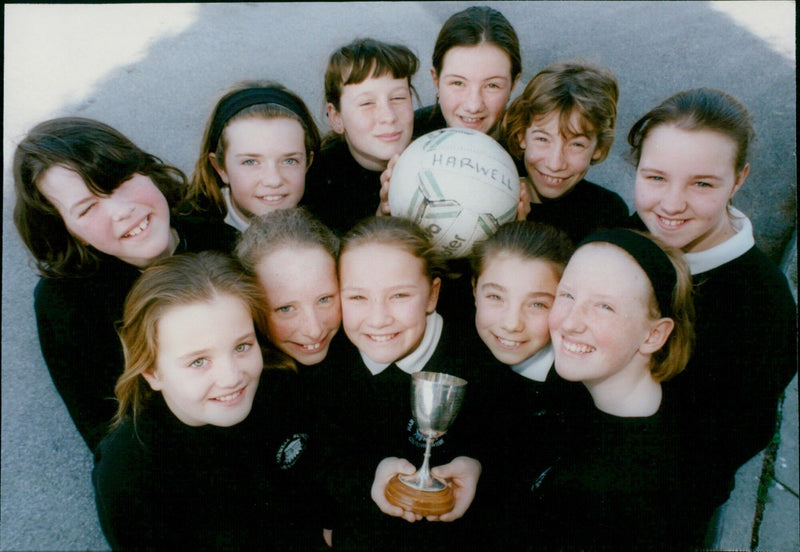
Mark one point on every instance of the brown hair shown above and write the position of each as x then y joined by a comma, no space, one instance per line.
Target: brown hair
205,188
171,282
104,159
566,88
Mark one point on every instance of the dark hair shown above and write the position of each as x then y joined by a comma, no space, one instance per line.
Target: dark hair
104,159
473,26
527,239
294,227
361,59
398,232
205,188
698,109
566,87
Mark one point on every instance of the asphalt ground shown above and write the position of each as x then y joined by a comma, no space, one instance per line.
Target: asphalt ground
155,71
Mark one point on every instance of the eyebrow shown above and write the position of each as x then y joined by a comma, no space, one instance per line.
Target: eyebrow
457,76
77,205
202,352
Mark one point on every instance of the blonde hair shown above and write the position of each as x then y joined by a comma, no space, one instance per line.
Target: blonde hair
175,281
566,88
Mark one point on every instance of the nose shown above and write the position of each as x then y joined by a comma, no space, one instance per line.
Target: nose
121,209
512,321
379,315
573,320
673,200
474,102
311,326
386,113
227,373
555,160
270,176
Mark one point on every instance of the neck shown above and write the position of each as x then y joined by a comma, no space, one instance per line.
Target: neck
627,394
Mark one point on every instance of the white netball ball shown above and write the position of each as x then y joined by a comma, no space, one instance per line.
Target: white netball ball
458,184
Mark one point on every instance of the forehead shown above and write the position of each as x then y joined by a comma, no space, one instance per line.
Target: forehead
557,122
374,84
695,148
378,262
62,186
291,267
256,129
605,269
192,324
511,270
481,60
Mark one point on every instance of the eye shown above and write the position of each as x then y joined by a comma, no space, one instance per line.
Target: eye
355,298
326,299
493,297
539,305
702,184
291,161
540,139
243,347
87,209
400,295
366,103
606,307
198,363
400,98
285,309
456,83
493,85
249,162
580,145
654,178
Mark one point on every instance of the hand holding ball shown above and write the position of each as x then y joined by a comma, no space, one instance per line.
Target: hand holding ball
458,184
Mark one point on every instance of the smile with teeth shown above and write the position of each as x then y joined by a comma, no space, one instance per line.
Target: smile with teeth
381,338
670,223
577,347
272,198
232,396
139,229
551,180
470,120
508,342
310,348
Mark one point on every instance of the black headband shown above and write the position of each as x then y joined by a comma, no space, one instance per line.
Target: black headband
243,99
651,258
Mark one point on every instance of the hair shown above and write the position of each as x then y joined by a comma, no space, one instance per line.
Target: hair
525,239
174,282
104,159
205,188
698,109
294,227
566,88
474,26
360,60
672,358
397,232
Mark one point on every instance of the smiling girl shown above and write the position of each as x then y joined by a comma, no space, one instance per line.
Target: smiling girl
691,159
257,148
94,210
368,96
207,450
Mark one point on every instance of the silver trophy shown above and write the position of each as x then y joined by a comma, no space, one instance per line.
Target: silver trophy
435,402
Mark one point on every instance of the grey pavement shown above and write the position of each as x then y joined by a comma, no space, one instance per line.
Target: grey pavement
160,92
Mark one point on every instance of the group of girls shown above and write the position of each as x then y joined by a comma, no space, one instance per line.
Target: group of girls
606,409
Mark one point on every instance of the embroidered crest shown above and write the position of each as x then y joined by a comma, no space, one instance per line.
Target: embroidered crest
290,450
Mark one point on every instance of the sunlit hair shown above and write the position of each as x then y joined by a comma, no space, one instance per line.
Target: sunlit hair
295,228
527,240
672,358
205,188
360,60
566,88
396,232
474,26
698,109
103,158
173,282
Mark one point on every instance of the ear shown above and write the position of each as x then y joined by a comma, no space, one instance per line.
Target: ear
514,84
310,160
433,298
153,379
212,157
521,138
475,290
598,153
658,335
435,78
334,118
740,178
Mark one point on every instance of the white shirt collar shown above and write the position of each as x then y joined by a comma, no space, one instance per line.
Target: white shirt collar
536,366
419,357
732,248
233,218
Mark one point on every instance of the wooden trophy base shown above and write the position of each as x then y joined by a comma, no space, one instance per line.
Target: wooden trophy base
424,503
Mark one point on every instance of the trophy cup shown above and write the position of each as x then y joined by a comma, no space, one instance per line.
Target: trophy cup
435,401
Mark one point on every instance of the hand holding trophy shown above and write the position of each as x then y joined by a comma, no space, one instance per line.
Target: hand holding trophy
435,401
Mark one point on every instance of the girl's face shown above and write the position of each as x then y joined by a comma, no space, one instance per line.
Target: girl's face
303,307
513,297
131,224
376,117
600,323
265,164
684,181
474,86
386,298
556,163
208,362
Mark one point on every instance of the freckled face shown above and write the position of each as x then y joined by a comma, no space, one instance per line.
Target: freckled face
302,293
386,298
513,298
600,317
131,224
474,86
684,181
208,363
265,164
555,163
